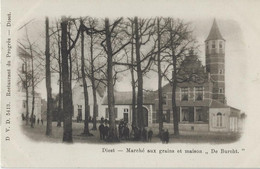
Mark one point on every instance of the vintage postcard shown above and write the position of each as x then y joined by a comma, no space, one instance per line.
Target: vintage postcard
130,83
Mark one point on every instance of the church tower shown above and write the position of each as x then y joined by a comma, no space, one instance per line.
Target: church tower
215,62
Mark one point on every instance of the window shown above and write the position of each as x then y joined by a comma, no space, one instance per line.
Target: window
187,114
23,68
207,45
107,114
220,45
220,90
199,114
221,71
199,93
125,110
184,93
213,45
164,99
219,119
79,106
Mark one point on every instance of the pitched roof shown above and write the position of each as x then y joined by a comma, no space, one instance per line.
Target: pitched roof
217,104
125,98
214,33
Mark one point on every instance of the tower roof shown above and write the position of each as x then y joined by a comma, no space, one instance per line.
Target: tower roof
214,33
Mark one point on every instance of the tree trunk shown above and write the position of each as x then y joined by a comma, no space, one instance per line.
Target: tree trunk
27,94
139,77
48,81
67,102
110,85
174,85
95,106
33,92
160,94
60,84
70,70
95,109
134,118
85,87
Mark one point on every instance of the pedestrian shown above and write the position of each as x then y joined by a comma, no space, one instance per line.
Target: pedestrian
150,135
144,134
165,136
106,121
102,131
42,121
38,121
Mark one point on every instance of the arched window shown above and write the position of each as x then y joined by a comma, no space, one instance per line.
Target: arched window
219,119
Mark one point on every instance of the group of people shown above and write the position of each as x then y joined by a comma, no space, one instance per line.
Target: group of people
32,119
142,134
136,134
165,136
124,133
123,129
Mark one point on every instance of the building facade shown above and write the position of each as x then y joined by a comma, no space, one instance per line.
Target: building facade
202,106
24,70
79,101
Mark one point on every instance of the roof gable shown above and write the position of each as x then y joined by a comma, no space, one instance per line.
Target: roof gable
214,33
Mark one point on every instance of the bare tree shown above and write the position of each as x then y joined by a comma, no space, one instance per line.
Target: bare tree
114,43
143,33
66,78
85,87
180,42
24,79
33,72
67,108
48,81
162,45
94,62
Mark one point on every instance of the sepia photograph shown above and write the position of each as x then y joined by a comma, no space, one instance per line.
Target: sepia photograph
130,84
126,80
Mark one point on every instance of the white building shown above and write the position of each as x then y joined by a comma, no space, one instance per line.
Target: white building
79,101
24,68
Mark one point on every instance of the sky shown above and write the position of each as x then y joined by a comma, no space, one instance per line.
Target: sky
237,57
235,54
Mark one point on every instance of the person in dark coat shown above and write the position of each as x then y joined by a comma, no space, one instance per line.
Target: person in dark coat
38,121
136,133
42,121
150,135
126,132
162,136
144,134
106,132
120,129
101,131
165,136
102,120
106,121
